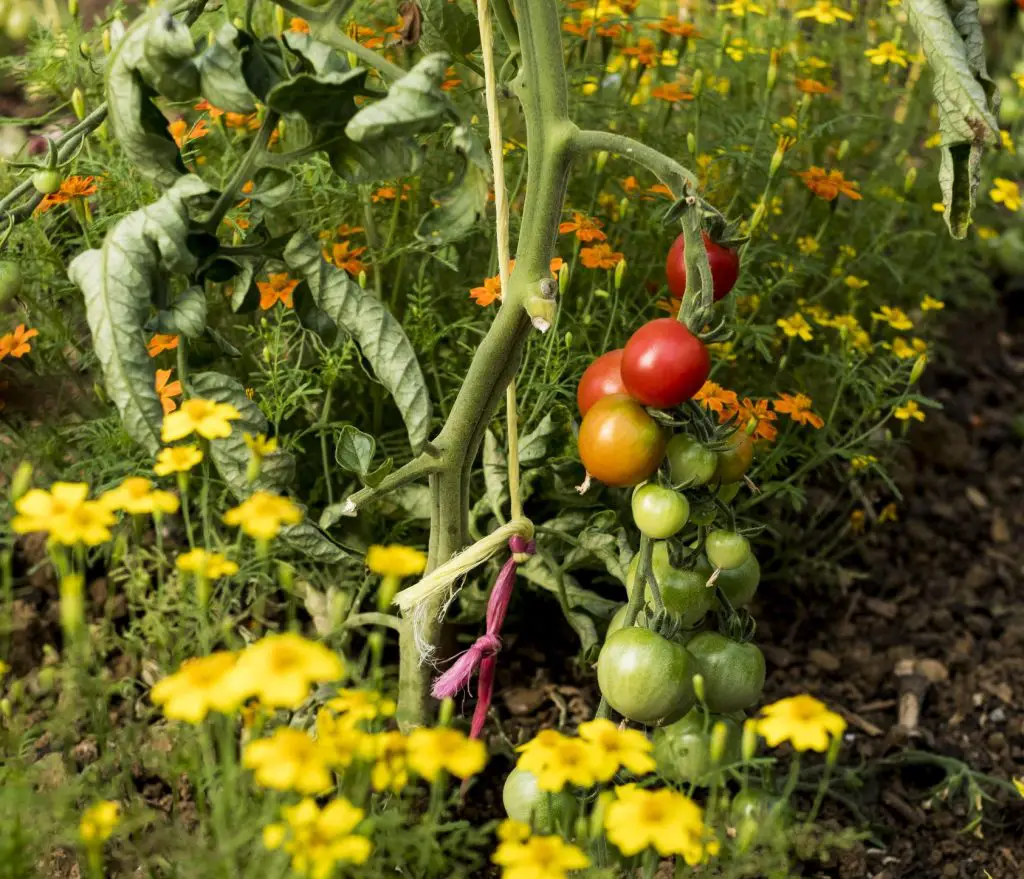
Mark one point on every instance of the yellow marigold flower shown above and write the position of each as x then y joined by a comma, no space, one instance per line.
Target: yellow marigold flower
808,245
740,8
177,459
987,233
855,283
204,417
905,351
613,748
888,514
262,514
4,668
390,753
803,721
259,445
929,303
197,688
857,521
1018,783
538,857
895,317
796,325
798,407
1019,79
887,53
665,820
824,12
862,462
137,496
909,410
1007,193
341,737
319,839
87,524
290,760
395,560
208,565
938,207
557,760
1007,141
98,823
434,750
281,669
37,509
357,705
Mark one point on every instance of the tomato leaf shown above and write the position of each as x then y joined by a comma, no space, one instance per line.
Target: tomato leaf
967,98
186,316
414,104
322,99
220,73
379,335
354,450
262,66
380,161
117,281
135,122
231,458
167,62
495,475
460,206
272,187
448,26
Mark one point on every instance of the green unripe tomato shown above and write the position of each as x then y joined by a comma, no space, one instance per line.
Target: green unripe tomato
618,620
727,549
46,181
727,491
19,21
659,512
682,749
755,815
645,677
10,280
733,672
683,592
734,461
739,585
690,463
525,801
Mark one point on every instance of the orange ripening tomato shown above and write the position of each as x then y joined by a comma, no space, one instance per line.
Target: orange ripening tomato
619,443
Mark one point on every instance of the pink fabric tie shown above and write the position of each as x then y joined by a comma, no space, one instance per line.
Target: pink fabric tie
484,652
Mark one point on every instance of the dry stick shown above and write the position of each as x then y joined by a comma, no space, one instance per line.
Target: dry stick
501,218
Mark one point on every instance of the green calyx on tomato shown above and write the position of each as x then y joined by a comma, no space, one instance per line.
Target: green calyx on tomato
619,443
46,181
726,549
738,585
724,262
525,801
646,678
603,378
690,462
683,592
682,749
664,364
734,460
733,673
659,512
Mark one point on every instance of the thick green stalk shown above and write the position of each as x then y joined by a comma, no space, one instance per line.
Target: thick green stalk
541,88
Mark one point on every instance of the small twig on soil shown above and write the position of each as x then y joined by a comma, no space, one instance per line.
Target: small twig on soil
915,677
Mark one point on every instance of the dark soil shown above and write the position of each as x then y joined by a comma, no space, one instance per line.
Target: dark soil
943,584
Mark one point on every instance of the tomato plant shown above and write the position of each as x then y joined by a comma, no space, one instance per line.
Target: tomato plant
726,549
733,672
46,181
619,443
683,592
683,749
725,267
690,462
664,364
739,585
659,512
645,677
734,460
603,378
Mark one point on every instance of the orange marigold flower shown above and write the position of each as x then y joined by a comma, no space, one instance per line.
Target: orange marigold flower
630,184
347,231
798,407
205,106
555,265
671,92
161,342
488,293
277,288
671,305
829,185
16,344
167,390
348,259
600,256
451,81
762,416
577,28
71,188
390,193
812,87
183,134
586,228
645,51
250,121
718,399
674,27
298,26
660,189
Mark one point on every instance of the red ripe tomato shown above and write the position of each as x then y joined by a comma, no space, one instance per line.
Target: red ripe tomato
603,378
725,267
620,444
664,364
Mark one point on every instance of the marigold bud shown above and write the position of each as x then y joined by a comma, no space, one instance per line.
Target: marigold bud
748,745
918,368
563,277
620,273
600,161
698,687
21,480
719,739
72,604
910,179
844,148
691,143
